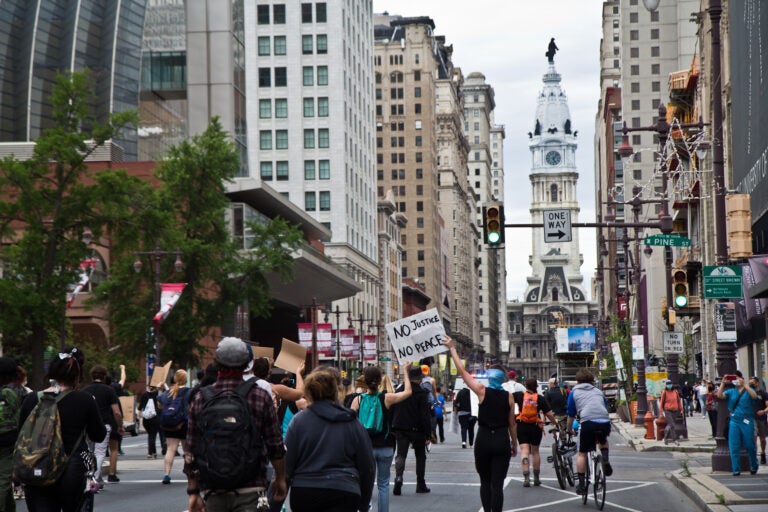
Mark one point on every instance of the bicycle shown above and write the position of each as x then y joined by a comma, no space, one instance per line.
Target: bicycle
563,451
596,467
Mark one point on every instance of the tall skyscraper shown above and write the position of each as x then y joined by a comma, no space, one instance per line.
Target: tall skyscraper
555,294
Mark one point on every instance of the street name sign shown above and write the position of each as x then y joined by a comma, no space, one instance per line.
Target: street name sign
557,226
670,240
673,342
722,282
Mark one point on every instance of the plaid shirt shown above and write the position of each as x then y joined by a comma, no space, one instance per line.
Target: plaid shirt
264,418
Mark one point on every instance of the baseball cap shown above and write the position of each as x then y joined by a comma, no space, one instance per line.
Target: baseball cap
512,374
233,353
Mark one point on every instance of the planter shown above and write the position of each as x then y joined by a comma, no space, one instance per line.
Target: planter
623,412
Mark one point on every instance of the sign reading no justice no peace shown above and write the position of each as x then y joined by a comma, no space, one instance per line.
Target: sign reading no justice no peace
416,337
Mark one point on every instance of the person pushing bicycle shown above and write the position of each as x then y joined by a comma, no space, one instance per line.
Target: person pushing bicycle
588,404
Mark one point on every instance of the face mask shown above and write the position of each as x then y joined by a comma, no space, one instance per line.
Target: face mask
669,386
738,383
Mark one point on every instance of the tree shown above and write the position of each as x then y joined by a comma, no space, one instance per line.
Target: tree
189,216
46,203
619,333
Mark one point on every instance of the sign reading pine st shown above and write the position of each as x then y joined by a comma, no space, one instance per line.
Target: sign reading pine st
417,336
557,226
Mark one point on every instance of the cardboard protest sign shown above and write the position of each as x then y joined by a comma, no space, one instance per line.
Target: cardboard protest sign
417,336
127,404
291,356
160,375
267,352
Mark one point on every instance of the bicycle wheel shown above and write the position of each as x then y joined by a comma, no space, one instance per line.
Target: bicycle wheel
599,485
568,467
557,462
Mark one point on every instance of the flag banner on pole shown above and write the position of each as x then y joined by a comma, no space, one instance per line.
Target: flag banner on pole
347,341
355,346
86,269
305,336
168,298
369,347
324,338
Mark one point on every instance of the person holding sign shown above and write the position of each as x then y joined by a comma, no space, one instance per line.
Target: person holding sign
496,441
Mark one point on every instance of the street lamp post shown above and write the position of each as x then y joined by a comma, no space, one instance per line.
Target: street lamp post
157,256
360,319
337,312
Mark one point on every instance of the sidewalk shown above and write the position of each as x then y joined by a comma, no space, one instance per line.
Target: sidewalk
712,491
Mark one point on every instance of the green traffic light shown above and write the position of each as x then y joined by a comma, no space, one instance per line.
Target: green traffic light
494,237
681,301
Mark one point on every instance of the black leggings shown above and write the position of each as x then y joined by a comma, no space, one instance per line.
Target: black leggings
418,441
65,495
314,499
493,451
467,423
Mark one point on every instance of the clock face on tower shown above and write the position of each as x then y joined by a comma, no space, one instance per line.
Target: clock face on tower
552,158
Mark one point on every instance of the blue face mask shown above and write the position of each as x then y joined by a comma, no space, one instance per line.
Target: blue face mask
669,386
496,378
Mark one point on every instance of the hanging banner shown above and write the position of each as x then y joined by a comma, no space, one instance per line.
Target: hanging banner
355,347
417,336
617,360
168,298
347,342
369,347
324,338
638,347
86,269
575,339
442,361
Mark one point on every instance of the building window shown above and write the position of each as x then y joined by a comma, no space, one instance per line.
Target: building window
419,190
632,17
306,45
634,87
519,352
265,139
309,139
265,78
637,174
281,77
655,103
418,140
265,169
417,92
654,33
306,13
417,76
417,108
634,52
310,201
325,169
309,107
265,109
655,86
280,47
263,43
309,169
281,108
634,35
655,15
419,174
320,12
262,14
637,157
322,75
378,93
278,14
420,255
323,138
419,222
420,271
322,44
419,206
308,74
655,51
282,171
322,107
635,104
655,69
634,70
281,139
553,193
325,201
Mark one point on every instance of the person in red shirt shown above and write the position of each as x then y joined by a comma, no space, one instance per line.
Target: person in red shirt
672,405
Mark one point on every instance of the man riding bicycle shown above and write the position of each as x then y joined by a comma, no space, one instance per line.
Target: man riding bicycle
589,404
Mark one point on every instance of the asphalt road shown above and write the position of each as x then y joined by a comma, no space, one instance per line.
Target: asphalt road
638,484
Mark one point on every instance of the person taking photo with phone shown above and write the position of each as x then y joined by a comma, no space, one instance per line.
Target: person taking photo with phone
741,427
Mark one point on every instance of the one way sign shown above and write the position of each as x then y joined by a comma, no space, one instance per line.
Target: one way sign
557,226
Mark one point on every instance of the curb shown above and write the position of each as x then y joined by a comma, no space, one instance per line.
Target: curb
705,497
639,446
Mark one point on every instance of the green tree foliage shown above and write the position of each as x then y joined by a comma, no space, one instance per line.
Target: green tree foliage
46,202
188,216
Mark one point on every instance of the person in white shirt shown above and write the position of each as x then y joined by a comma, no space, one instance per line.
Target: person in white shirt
701,394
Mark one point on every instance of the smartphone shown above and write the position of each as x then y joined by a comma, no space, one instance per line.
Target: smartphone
730,377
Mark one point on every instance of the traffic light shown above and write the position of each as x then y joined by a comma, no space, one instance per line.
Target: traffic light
680,287
493,224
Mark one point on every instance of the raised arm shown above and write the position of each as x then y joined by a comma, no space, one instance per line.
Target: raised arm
391,399
472,384
122,375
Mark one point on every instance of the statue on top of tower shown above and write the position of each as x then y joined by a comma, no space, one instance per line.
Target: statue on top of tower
551,50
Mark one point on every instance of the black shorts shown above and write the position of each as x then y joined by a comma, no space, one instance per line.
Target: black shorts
591,432
529,433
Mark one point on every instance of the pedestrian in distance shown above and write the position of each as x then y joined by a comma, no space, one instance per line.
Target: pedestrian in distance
711,406
329,457
671,403
173,420
373,409
741,428
497,433
79,419
701,395
231,431
530,430
760,405
515,388
148,408
440,415
109,407
687,394
462,407
412,426
589,404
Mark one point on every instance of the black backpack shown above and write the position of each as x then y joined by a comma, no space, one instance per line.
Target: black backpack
231,451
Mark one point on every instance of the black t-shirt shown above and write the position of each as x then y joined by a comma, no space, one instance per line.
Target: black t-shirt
105,397
77,411
758,403
558,400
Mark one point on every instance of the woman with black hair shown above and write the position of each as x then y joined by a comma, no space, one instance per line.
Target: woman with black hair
79,415
496,441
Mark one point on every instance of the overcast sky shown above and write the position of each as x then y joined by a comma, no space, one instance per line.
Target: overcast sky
506,40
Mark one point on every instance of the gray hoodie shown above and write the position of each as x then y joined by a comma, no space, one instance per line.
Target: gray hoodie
588,402
328,448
